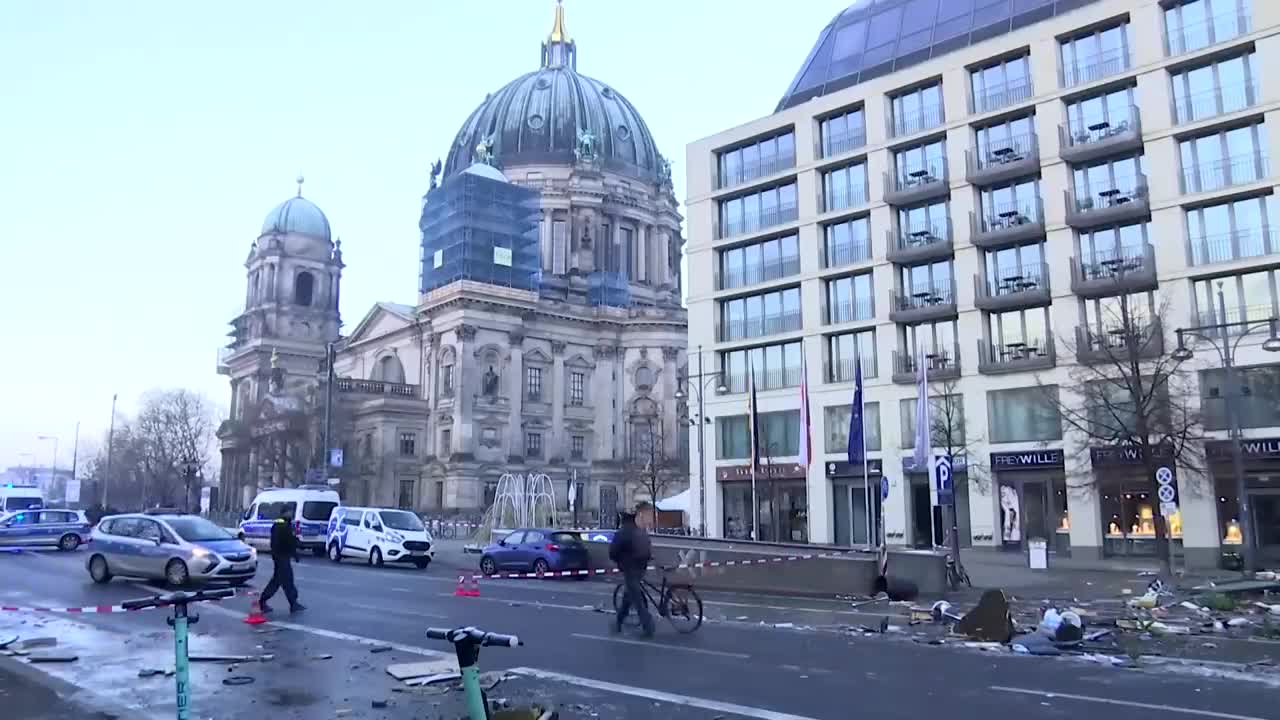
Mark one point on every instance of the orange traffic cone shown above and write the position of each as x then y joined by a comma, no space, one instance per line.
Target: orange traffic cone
461,590
474,590
255,616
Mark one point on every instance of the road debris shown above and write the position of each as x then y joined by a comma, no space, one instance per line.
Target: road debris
989,620
53,658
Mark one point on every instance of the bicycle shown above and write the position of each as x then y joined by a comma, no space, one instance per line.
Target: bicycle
677,602
957,575
467,642
181,620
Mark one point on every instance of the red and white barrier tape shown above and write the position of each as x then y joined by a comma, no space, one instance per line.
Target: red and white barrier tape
681,566
90,609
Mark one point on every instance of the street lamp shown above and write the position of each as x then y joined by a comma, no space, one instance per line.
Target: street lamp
1218,336
700,383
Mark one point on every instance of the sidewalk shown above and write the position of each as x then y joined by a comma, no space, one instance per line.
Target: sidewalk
27,693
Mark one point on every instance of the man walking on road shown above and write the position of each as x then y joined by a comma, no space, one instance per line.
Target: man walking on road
284,548
630,551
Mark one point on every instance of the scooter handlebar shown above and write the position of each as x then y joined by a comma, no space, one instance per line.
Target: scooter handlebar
486,639
176,598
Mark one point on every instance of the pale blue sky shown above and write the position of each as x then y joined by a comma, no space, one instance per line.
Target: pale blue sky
142,143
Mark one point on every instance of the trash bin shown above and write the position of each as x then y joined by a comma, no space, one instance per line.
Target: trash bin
1037,554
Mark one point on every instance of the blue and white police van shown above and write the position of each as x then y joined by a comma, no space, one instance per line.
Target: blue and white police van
20,497
379,535
312,505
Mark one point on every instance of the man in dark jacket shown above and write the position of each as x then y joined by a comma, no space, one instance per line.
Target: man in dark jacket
630,551
284,548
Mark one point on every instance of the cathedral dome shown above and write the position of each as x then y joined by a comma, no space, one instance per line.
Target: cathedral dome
540,117
297,215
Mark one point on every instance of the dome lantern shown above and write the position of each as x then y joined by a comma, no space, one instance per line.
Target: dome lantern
559,50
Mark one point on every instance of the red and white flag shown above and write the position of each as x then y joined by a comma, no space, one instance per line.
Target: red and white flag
806,450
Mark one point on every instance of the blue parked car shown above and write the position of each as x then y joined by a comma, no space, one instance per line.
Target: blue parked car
63,529
536,550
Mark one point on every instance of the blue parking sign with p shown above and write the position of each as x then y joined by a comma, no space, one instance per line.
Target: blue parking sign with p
942,473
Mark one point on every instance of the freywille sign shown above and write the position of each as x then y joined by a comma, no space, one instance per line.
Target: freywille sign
1125,455
1027,460
844,469
774,471
1254,448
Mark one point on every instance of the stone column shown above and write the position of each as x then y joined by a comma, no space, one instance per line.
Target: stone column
601,396
556,444
662,251
643,261
544,238
464,398
515,391
620,394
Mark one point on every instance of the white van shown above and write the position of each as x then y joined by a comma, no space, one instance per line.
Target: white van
312,505
20,497
379,535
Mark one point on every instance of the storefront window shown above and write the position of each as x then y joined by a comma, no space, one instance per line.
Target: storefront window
1228,509
783,511
1128,518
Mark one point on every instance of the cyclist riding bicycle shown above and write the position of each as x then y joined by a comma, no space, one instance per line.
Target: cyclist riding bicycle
630,551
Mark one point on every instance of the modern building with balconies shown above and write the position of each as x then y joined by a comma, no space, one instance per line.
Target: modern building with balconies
1111,160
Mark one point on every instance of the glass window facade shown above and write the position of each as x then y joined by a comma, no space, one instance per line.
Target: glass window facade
938,338
846,242
1012,267
1001,84
920,163
779,435
1232,230
758,315
1257,401
1127,242
844,187
1247,296
1098,116
1023,414
836,421
1098,185
1106,314
757,159
759,262
1232,157
843,351
756,211
930,283
1019,328
849,299
843,132
1190,26
917,110
775,366
1010,201
946,415
1218,88
1095,55
924,223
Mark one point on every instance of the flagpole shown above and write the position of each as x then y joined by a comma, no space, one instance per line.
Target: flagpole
866,465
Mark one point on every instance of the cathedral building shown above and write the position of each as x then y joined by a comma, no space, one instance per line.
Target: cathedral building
548,334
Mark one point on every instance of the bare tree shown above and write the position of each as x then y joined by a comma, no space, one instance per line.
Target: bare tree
175,428
949,435
1126,391
651,466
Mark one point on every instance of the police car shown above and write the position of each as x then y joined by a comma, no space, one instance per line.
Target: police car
63,529
311,504
170,546
379,535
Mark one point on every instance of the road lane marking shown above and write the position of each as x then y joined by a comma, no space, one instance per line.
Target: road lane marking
401,590
673,698
1125,703
662,646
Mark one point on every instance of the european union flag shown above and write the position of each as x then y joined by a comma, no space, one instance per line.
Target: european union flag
857,440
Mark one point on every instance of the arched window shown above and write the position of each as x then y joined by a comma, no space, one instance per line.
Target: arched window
304,286
644,377
389,369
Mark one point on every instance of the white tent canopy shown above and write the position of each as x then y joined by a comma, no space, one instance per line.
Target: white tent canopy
679,501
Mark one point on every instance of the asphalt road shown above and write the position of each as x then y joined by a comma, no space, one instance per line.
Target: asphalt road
740,664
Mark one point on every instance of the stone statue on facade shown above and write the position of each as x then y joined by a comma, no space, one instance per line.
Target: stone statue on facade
484,151
585,152
489,385
664,172
435,173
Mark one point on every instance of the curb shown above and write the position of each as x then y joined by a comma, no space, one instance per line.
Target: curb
88,703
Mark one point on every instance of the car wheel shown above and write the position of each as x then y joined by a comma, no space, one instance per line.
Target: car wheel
422,563
488,566
335,552
176,573
541,567
98,570
375,557
69,542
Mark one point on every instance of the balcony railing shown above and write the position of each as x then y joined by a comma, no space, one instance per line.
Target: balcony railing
845,253
1095,67
1007,223
1108,201
1236,317
833,144
845,197
1214,102
922,304
1227,172
1091,138
1111,343
913,122
784,377
916,183
843,370
376,387
747,172
742,328
1003,159
1234,245
920,242
1016,356
757,222
942,365
758,272
1209,31
1127,270
1001,96
843,311
1017,286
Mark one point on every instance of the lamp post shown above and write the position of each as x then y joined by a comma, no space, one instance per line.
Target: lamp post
1218,336
699,384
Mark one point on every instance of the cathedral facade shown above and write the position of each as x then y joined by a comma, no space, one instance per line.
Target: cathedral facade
551,342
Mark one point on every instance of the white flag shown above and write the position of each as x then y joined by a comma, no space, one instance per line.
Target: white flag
923,451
